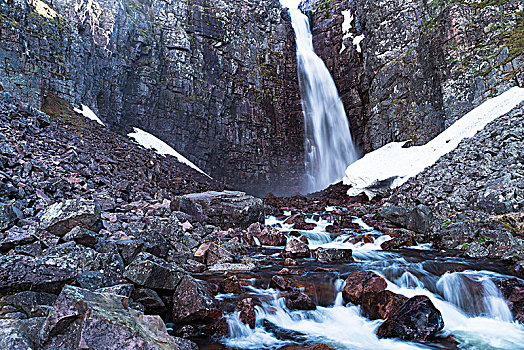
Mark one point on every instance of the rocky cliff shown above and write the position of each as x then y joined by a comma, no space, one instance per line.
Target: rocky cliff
214,79
408,69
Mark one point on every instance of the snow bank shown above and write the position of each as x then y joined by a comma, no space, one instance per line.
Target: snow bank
147,140
395,165
88,113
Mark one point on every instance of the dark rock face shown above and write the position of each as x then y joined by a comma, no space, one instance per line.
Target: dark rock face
361,282
513,292
81,318
417,319
416,71
217,82
333,255
192,303
152,272
226,209
380,305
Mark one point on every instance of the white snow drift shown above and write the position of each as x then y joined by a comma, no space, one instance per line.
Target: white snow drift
147,140
89,114
392,162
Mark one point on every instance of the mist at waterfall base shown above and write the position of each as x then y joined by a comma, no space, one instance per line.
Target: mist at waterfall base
472,307
328,144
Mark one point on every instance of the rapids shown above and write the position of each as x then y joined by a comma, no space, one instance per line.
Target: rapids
473,309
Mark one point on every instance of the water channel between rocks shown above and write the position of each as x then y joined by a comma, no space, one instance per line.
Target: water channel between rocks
474,312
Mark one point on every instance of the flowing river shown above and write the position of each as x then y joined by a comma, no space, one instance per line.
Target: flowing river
463,290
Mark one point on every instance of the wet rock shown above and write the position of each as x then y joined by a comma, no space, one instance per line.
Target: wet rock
247,312
333,255
272,237
290,262
218,328
152,272
297,248
194,266
295,219
280,283
306,226
417,320
85,319
153,304
231,285
513,292
229,208
81,236
60,218
297,300
192,303
381,304
361,282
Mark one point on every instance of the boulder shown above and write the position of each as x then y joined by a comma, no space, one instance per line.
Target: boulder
150,271
380,305
15,336
333,255
81,236
60,218
272,237
14,237
513,292
232,267
34,304
297,300
416,320
211,253
152,303
297,248
224,209
231,285
361,282
9,214
192,303
247,312
280,283
82,319
48,272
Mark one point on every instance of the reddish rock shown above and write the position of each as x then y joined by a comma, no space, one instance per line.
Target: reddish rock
286,271
399,242
232,285
307,226
417,320
295,219
255,228
278,282
219,328
299,301
368,239
290,262
362,282
333,229
272,237
304,239
192,303
297,248
513,292
211,253
247,312
380,305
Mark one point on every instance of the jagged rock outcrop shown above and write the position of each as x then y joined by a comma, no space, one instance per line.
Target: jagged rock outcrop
408,69
215,80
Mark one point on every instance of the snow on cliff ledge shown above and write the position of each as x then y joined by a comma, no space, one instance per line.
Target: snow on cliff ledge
147,140
394,165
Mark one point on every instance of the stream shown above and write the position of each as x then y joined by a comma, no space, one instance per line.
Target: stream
474,312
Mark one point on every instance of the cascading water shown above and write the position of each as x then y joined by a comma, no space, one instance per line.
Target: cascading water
328,143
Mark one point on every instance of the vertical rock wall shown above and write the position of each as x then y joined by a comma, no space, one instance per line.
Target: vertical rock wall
422,64
215,79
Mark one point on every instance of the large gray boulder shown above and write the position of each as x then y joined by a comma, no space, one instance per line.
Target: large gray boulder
225,209
82,319
60,218
152,272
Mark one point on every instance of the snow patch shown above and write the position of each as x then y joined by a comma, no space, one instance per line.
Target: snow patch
89,114
356,42
396,165
346,26
150,141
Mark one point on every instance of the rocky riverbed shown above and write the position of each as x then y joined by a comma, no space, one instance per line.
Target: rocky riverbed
107,245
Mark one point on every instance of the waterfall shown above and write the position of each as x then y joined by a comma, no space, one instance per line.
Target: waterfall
328,144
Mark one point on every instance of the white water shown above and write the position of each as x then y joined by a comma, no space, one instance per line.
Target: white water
472,307
328,143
